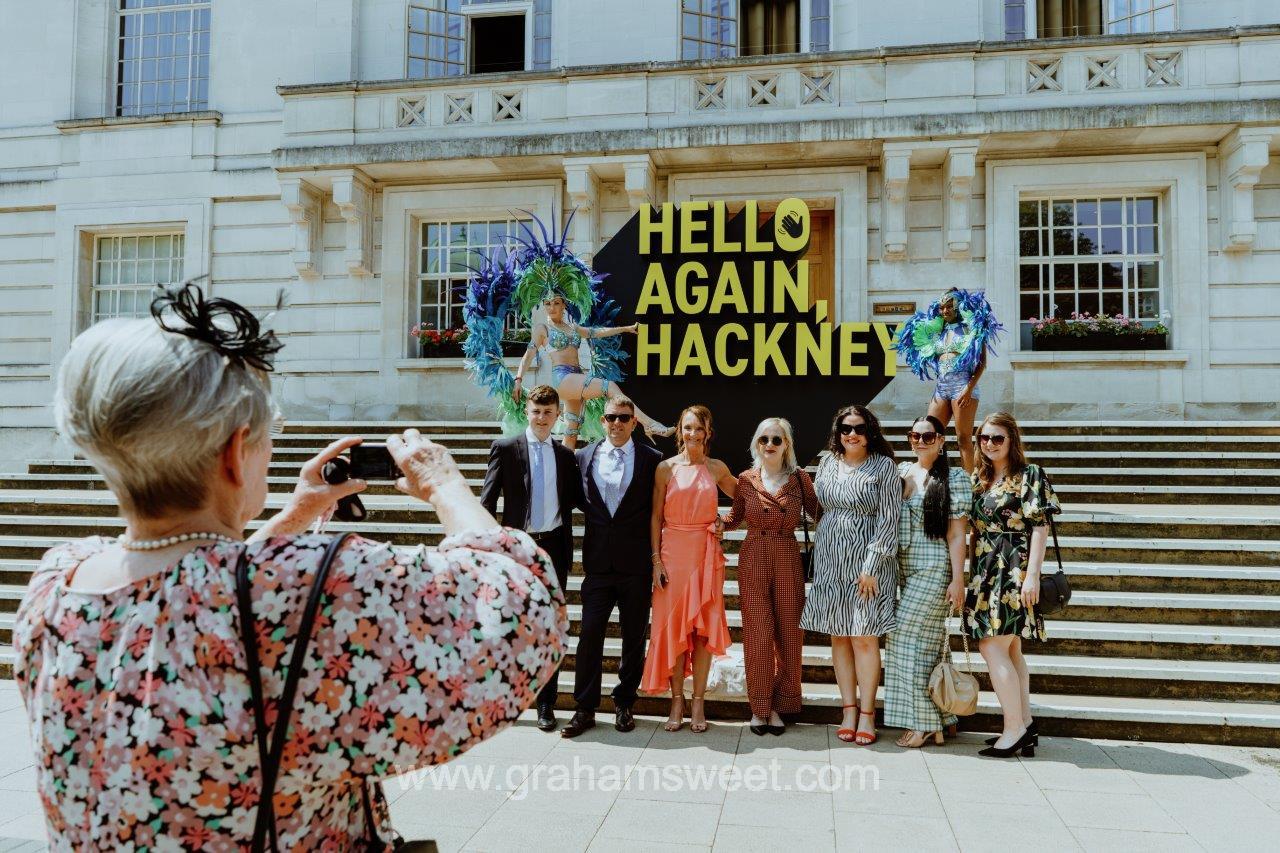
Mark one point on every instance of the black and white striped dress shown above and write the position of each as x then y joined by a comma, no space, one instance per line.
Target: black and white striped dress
858,533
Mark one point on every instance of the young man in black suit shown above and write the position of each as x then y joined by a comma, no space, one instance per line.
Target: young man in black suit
537,479
617,488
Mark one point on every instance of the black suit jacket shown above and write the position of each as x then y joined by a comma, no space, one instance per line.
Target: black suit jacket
620,542
508,477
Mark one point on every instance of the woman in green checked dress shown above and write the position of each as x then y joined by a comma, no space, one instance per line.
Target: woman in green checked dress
932,536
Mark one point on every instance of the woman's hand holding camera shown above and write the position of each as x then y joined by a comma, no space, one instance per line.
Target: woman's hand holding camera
430,474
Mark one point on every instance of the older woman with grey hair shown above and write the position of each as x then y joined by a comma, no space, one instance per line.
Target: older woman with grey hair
770,499
152,697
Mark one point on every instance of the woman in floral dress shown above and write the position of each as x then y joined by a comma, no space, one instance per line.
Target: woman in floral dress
1011,503
129,653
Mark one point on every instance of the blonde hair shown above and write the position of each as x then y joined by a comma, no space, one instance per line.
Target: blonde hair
152,409
789,463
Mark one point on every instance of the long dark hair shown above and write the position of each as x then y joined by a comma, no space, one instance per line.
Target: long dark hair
937,486
876,442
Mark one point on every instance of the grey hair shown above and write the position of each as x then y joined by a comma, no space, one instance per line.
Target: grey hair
152,410
789,463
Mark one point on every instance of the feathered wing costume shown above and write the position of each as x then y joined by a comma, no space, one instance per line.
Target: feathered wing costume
519,281
920,338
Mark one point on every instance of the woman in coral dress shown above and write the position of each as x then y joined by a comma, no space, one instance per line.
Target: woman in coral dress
688,623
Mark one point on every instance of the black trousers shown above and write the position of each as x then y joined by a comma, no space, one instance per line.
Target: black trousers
560,549
601,592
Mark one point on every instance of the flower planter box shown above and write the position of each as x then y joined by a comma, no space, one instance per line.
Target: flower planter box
441,351
1097,343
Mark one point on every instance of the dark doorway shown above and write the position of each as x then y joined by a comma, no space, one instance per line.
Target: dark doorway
497,43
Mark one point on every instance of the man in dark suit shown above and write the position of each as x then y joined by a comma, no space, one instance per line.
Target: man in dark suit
537,479
617,488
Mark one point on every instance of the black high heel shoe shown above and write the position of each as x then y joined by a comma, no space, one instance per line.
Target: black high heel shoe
1024,744
1031,727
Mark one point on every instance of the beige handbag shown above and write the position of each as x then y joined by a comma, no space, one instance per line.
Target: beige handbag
953,691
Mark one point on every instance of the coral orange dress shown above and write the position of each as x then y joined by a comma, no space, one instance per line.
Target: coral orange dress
692,605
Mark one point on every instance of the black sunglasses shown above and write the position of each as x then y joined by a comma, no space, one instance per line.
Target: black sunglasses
856,429
620,418
775,440
993,440
922,437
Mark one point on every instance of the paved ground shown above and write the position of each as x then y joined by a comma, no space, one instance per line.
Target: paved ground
730,790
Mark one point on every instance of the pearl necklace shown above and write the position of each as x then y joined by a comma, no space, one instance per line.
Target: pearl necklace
157,544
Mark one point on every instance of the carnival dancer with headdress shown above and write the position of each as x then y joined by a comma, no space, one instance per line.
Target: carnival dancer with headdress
948,342
542,272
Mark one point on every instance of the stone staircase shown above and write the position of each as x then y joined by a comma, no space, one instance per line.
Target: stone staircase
1170,534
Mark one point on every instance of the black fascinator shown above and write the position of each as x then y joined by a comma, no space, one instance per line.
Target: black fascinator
227,326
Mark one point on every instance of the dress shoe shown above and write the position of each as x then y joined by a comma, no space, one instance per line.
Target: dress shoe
623,721
582,720
546,718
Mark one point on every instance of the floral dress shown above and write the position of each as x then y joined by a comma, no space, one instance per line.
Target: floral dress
139,704
1003,518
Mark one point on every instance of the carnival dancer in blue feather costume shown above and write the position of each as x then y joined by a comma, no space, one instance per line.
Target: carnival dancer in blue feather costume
543,272
948,342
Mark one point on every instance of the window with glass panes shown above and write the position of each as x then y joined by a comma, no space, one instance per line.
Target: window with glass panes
162,64
708,28
127,268
1141,16
437,39
1090,256
449,250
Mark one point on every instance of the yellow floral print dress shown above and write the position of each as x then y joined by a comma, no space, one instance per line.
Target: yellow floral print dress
1003,517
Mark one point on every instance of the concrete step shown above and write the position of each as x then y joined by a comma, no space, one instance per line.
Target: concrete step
1157,521
1083,675
22,535
1244,489
1097,639
894,426
1244,581
1060,714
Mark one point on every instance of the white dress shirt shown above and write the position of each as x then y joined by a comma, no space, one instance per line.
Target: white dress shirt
606,468
550,494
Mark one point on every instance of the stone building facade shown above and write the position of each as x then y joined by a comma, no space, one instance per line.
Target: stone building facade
1090,155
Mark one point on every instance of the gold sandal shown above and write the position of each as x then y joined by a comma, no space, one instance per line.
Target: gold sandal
905,740
698,728
675,725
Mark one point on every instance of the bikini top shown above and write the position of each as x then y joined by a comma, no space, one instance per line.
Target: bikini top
953,335
558,340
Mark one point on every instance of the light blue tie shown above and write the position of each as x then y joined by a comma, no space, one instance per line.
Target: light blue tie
538,508
613,480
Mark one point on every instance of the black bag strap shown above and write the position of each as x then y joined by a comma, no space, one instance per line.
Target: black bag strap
1057,551
804,518
264,824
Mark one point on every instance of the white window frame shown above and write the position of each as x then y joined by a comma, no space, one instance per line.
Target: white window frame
1129,258
493,10
116,237
422,276
116,31
468,12
1149,8
1179,179
737,22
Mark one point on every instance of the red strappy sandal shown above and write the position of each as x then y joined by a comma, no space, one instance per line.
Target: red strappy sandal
862,738
846,735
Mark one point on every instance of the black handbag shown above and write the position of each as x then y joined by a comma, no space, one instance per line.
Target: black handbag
806,553
269,754
1055,589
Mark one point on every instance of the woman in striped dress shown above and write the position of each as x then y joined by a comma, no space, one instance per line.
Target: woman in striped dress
771,496
855,572
932,541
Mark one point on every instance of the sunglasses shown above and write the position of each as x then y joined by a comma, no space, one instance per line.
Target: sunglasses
622,419
856,429
922,437
775,440
993,440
